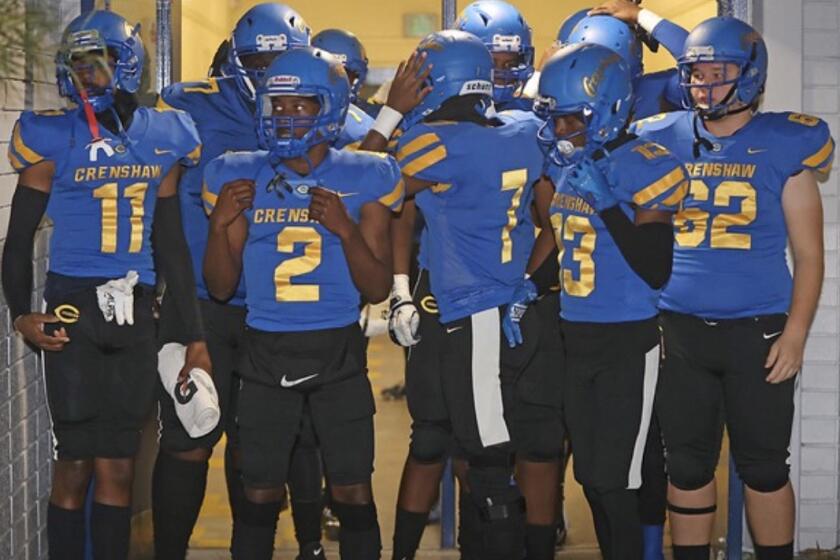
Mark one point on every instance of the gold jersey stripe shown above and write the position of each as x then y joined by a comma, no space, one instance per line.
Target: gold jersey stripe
394,197
208,197
674,177
419,143
28,154
677,196
425,161
353,146
16,163
820,156
162,105
195,155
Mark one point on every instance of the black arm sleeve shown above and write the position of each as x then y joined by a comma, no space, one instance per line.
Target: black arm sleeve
28,207
547,275
173,257
647,248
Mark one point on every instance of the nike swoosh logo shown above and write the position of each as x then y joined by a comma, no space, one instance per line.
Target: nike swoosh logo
287,383
771,335
346,194
453,329
318,551
162,152
753,151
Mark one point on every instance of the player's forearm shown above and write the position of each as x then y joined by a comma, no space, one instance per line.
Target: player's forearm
647,248
374,142
671,36
222,267
371,276
402,237
808,273
28,207
175,261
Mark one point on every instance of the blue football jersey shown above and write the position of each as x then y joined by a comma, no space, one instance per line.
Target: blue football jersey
729,256
597,284
656,93
295,271
103,195
357,123
518,103
479,232
225,123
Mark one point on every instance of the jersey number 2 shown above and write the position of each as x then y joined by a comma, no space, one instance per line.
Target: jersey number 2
109,195
284,290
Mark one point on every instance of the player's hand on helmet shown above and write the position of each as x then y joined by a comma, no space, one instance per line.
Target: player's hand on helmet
407,89
403,318
785,357
524,294
235,198
625,10
31,326
197,356
327,209
590,183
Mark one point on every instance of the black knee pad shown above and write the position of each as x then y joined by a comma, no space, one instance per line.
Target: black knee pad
690,472
431,442
355,517
764,477
259,515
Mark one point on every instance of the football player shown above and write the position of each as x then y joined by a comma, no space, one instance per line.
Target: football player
223,110
507,35
106,173
351,52
472,178
611,211
307,227
734,321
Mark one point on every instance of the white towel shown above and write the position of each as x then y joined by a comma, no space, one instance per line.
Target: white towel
198,407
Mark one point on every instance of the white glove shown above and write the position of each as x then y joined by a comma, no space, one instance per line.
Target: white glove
196,401
403,319
116,298
374,319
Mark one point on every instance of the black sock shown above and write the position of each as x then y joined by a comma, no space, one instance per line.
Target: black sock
177,493
233,478
539,541
110,528
305,490
307,520
697,552
469,527
65,533
359,537
783,552
408,530
253,530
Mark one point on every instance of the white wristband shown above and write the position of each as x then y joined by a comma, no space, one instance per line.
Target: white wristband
648,20
400,288
387,121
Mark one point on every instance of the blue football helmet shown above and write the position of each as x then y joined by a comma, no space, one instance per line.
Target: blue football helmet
268,27
502,29
614,34
730,41
106,33
590,81
461,65
569,24
349,51
303,72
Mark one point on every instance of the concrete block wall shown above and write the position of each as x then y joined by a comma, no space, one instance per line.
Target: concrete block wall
25,437
818,452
